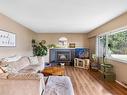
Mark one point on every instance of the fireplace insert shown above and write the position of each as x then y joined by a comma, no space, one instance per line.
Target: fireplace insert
63,56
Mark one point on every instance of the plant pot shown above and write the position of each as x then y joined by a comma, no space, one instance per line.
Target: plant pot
41,59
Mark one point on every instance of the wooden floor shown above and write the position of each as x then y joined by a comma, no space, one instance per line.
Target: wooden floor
86,82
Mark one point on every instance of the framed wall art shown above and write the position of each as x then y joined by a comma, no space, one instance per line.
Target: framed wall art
71,45
7,39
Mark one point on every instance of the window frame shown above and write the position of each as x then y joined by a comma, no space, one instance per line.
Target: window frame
108,34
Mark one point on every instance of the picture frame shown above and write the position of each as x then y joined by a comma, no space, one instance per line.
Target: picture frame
7,39
71,45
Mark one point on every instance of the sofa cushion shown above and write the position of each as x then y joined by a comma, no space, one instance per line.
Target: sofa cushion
32,68
14,67
20,64
1,70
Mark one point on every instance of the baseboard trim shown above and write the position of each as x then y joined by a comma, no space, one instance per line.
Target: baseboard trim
121,84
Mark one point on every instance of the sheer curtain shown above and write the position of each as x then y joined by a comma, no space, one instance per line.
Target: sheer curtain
101,50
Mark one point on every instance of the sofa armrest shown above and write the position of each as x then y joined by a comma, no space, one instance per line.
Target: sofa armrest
25,76
15,85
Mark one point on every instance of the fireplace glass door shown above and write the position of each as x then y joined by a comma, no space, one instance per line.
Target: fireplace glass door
63,56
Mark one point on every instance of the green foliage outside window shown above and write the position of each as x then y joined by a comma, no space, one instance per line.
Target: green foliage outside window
118,43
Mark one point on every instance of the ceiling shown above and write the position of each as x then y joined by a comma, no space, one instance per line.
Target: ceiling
62,16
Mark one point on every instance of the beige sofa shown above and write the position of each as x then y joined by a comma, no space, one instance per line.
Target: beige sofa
22,85
23,65
20,77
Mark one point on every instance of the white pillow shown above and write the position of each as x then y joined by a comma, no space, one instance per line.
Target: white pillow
33,60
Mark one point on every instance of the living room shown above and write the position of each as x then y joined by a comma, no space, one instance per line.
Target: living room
81,35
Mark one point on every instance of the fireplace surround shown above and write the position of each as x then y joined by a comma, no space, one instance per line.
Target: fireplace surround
67,55
58,56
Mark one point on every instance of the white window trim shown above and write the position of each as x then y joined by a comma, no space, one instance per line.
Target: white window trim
116,59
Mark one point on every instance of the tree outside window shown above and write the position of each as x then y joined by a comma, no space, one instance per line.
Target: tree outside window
117,44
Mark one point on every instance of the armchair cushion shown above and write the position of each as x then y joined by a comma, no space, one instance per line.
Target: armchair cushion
32,68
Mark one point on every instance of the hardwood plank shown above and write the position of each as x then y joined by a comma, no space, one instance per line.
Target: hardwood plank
86,82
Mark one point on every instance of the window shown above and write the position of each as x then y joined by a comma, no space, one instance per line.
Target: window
117,45
113,45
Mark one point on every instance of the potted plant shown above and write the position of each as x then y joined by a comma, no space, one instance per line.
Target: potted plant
39,49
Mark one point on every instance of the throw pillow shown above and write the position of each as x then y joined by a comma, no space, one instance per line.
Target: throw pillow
33,60
8,69
1,70
15,66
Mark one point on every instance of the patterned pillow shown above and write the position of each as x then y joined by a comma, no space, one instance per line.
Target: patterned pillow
33,60
15,66
1,70
8,69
